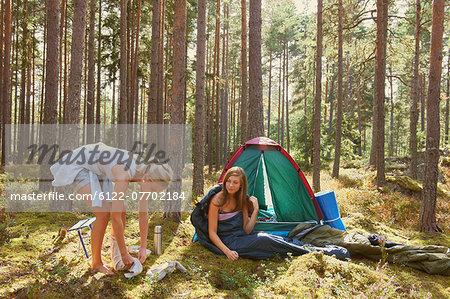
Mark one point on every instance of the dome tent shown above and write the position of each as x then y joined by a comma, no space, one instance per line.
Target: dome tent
275,179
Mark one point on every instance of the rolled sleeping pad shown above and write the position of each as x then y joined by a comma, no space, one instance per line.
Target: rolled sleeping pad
330,210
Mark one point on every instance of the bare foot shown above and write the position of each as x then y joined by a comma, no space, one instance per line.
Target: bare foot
102,269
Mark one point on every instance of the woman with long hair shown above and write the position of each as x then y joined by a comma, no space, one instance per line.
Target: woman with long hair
231,219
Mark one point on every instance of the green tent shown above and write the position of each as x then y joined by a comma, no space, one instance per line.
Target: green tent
276,180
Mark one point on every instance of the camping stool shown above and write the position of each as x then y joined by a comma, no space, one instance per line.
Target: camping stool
82,224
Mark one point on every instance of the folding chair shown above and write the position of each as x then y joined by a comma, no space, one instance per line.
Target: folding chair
78,226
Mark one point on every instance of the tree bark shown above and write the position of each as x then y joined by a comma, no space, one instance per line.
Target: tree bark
216,87
61,68
72,113
178,100
391,120
244,89
154,80
337,151
52,71
5,90
380,57
255,117
422,88
135,89
279,100
283,90
160,103
99,71
414,112
447,102
225,116
23,77
1,72
428,206
270,93
288,139
123,98
317,101
199,130
90,103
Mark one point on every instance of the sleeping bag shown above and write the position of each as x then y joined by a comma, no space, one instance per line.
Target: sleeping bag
256,245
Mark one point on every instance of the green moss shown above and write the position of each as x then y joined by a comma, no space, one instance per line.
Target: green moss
31,267
405,182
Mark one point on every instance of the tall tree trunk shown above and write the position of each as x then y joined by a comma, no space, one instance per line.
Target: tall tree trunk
255,116
123,98
244,92
414,112
391,121
66,77
90,103
51,86
447,102
225,122
210,110
135,89
72,112
52,71
270,93
99,71
154,80
288,140
380,57
178,100
428,206
223,87
160,103
113,106
337,151
15,75
5,90
130,61
283,90
23,67
317,101
1,69
279,100
216,87
32,133
199,129
61,68
44,65
422,88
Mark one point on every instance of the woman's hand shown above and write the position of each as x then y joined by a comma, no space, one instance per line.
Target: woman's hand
127,260
254,202
142,255
232,255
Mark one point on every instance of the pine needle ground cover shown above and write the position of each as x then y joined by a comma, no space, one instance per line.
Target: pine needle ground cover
33,263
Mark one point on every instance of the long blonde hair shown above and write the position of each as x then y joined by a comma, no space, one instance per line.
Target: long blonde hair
159,173
241,194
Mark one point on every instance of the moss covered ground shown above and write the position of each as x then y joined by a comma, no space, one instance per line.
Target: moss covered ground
33,265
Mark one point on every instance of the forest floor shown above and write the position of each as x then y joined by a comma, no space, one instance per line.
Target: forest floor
32,266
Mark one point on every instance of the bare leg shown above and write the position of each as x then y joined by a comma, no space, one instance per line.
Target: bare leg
102,215
123,222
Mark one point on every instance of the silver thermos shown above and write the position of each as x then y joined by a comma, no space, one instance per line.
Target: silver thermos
158,240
